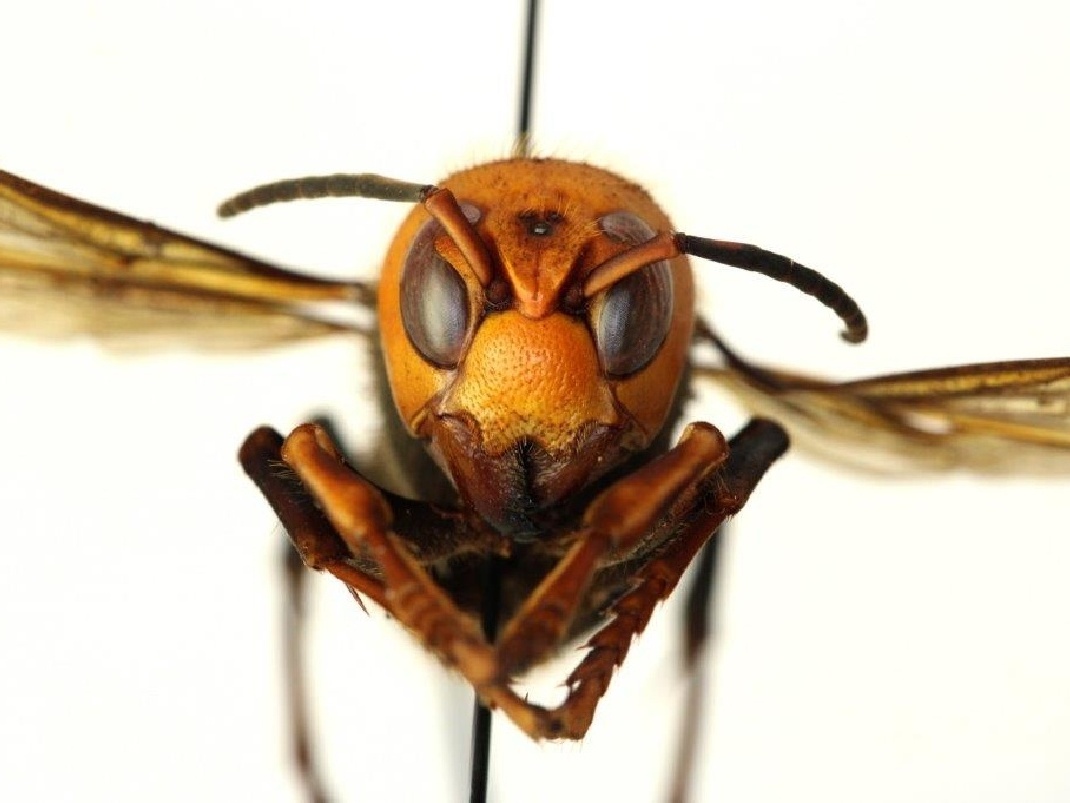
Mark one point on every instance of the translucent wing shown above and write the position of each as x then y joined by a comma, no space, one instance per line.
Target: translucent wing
997,417
69,267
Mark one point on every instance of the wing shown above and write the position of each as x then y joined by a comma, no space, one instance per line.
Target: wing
994,417
69,267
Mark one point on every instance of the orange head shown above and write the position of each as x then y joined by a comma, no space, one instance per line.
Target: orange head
535,318
528,341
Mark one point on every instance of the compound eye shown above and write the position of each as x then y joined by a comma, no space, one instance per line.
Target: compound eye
633,317
434,301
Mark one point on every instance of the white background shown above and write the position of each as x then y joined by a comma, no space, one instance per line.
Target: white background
878,641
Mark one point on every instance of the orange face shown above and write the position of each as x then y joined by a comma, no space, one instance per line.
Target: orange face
524,387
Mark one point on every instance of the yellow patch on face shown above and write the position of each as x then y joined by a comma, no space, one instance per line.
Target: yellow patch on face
531,378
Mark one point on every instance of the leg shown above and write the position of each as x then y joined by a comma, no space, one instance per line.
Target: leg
362,519
697,616
429,533
313,542
753,451
616,521
308,770
316,544
311,533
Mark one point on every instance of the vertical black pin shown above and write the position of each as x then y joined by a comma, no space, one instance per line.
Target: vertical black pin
481,718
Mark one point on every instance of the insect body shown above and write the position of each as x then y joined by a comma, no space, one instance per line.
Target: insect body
535,318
